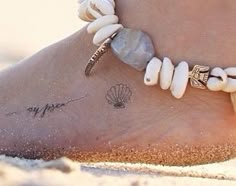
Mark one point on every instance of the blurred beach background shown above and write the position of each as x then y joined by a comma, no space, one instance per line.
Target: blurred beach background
26,26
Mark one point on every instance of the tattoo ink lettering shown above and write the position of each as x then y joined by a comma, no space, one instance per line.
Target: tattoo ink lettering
47,108
42,111
119,95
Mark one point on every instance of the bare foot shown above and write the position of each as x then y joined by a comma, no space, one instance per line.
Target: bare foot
50,109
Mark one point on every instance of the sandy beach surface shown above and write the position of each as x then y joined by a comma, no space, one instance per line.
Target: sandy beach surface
64,172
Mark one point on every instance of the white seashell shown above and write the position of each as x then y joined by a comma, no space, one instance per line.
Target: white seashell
218,82
230,86
166,74
219,72
230,71
105,33
180,80
105,7
233,100
93,12
101,22
152,72
83,12
215,84
90,10
112,2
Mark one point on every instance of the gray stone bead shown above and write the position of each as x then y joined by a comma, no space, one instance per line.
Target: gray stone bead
133,47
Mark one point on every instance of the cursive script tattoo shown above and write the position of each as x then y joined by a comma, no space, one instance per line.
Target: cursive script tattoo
36,111
42,111
119,95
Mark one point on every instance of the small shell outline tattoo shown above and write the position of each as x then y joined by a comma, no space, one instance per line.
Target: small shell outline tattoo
119,95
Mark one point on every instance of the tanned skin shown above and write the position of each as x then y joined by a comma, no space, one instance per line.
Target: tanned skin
49,108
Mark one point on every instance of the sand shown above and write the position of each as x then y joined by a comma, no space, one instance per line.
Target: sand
64,172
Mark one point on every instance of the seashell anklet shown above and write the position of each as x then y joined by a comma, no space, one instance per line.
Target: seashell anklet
135,48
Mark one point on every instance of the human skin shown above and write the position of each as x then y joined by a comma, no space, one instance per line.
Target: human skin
154,127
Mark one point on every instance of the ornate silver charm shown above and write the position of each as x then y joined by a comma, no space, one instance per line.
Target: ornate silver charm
199,76
98,54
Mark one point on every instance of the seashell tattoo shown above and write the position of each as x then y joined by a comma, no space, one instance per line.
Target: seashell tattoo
119,95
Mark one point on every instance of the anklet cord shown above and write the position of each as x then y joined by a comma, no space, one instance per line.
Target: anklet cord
135,48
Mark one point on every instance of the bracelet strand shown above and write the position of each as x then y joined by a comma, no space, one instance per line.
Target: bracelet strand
135,48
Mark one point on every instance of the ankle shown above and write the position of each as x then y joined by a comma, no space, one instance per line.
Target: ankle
180,32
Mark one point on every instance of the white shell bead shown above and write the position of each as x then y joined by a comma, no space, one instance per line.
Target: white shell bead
218,82
93,12
219,72
104,6
215,84
112,2
230,86
101,22
105,33
83,12
166,74
230,71
180,80
152,72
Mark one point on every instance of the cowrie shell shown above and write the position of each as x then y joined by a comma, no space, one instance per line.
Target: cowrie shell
102,22
105,33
